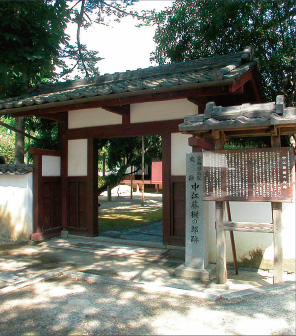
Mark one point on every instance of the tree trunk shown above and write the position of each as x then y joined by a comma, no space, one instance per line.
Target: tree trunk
19,141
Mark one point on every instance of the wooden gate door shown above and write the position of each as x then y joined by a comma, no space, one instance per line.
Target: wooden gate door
47,194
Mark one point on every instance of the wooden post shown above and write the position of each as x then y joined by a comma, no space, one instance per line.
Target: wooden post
232,239
143,169
220,233
221,244
278,264
132,182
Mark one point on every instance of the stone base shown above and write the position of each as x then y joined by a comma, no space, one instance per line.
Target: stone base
204,275
64,234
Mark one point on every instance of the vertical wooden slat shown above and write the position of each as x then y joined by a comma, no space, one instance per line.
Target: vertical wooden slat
278,265
166,178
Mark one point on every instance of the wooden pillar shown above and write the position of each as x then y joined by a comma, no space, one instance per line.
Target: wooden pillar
92,187
37,200
221,271
221,244
166,178
278,265
63,147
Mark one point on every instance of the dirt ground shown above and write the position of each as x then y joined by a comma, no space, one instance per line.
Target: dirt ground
120,290
69,307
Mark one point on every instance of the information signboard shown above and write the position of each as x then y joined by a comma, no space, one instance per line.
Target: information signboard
249,175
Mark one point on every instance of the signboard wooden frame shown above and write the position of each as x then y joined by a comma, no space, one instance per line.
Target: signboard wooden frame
257,175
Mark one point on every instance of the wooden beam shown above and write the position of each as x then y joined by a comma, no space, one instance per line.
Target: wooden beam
197,142
126,130
241,81
248,227
47,152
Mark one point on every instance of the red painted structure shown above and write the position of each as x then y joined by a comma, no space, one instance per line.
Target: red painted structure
70,202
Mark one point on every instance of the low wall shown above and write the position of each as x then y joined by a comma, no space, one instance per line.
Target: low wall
255,250
16,206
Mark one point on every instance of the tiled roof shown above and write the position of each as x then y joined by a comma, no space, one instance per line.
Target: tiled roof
243,116
212,71
15,169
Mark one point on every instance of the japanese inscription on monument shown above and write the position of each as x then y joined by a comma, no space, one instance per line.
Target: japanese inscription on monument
194,211
249,175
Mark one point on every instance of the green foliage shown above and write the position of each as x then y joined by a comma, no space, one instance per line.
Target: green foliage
200,28
123,153
247,142
33,42
7,141
30,43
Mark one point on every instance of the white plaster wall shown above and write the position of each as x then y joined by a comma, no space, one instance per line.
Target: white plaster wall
162,110
179,149
51,165
77,157
247,242
16,206
92,117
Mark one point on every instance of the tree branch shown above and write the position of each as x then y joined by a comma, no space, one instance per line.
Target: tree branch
79,24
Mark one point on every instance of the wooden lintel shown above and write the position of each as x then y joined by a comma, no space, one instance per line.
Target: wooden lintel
125,129
47,152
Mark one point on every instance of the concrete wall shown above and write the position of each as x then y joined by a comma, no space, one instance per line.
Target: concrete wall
255,249
16,206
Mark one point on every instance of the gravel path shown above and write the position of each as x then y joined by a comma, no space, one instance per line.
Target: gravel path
72,307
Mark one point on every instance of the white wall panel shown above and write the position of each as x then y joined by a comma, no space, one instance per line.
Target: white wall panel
51,165
92,117
77,157
179,150
162,110
16,206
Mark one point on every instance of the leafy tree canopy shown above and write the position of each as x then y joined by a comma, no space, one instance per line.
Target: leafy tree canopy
124,153
200,28
33,43
32,33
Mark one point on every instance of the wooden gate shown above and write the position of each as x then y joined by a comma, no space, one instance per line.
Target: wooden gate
47,194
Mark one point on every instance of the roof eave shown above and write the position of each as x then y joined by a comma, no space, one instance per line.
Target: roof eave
109,98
